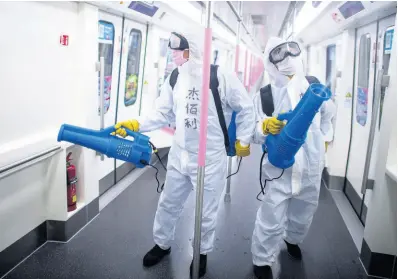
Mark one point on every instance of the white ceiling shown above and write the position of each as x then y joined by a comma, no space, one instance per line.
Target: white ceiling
262,18
267,17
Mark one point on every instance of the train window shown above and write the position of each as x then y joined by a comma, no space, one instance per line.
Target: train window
170,66
161,65
133,67
163,47
363,79
350,8
330,65
106,34
387,47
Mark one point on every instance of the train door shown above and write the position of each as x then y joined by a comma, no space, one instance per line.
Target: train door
362,111
130,81
384,47
109,41
368,45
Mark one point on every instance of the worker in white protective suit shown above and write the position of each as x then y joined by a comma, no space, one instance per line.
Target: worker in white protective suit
291,195
182,106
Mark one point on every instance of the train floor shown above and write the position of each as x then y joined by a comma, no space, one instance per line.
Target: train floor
114,243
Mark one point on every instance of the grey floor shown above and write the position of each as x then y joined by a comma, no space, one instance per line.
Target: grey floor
350,218
113,244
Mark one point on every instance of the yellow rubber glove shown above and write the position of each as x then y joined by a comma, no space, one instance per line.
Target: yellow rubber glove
242,151
132,125
272,126
326,146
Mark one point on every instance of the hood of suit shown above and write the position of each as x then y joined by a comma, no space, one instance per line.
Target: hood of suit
195,40
278,78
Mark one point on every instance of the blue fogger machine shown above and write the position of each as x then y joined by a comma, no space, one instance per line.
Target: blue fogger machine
283,147
137,152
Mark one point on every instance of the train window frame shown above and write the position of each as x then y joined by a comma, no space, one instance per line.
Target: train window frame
137,55
363,77
108,78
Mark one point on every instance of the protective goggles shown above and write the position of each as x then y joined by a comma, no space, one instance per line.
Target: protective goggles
284,50
178,42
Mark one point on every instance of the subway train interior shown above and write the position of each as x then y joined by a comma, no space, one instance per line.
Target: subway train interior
71,210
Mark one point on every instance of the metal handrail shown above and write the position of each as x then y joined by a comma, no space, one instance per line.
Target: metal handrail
239,19
21,164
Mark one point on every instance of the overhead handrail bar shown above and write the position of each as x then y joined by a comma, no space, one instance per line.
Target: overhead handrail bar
239,19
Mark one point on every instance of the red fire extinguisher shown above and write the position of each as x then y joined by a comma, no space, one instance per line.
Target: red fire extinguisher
71,180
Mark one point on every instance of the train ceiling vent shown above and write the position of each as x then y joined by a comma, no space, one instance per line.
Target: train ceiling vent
162,15
259,19
144,7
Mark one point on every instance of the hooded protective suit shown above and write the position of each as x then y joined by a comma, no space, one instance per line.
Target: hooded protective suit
182,106
289,202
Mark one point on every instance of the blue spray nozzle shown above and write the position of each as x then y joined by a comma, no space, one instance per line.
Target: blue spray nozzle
320,90
283,147
136,152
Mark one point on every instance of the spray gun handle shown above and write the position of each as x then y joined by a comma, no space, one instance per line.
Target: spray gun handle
131,133
112,129
107,130
285,116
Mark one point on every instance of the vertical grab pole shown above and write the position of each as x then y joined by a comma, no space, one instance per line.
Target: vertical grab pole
202,139
246,70
249,83
227,196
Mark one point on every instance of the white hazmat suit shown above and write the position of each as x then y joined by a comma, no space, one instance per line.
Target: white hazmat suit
182,106
289,202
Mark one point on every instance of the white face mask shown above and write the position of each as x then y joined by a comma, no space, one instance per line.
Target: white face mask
287,67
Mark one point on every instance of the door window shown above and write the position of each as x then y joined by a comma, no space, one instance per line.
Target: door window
133,67
106,34
170,65
165,63
363,79
166,57
330,65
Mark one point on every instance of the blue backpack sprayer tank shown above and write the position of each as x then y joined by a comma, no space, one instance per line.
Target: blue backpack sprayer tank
137,152
283,147
231,151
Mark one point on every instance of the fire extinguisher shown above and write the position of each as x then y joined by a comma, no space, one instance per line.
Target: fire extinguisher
71,180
